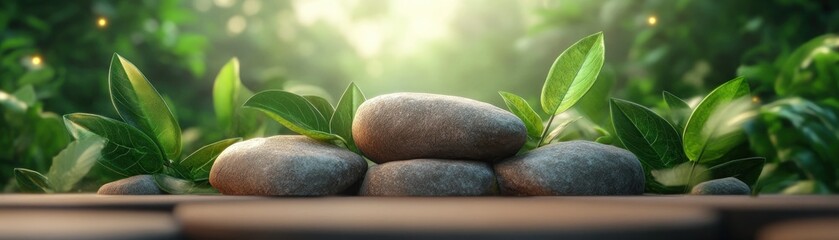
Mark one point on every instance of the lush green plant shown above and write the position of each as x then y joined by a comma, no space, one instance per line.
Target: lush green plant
29,134
229,94
573,73
147,142
798,131
704,146
313,116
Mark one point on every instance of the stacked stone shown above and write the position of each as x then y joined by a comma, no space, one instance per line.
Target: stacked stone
436,145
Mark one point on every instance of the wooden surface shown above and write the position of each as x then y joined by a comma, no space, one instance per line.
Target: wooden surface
89,224
94,201
434,218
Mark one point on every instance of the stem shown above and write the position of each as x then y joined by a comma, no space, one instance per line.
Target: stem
690,176
545,132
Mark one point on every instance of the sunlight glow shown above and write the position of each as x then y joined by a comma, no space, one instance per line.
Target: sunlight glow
236,25
36,60
102,22
652,20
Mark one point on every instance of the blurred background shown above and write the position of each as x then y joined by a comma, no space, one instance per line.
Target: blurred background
54,58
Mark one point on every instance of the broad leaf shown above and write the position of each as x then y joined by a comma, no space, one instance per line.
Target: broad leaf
746,169
128,151
31,181
74,162
324,107
679,110
139,104
198,164
648,136
293,112
713,127
341,121
572,74
174,185
226,89
521,109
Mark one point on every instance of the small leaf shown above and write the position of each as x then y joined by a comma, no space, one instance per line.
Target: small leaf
31,181
324,107
139,104
746,169
679,110
74,162
521,109
293,112
27,95
710,131
198,163
572,74
341,121
128,151
174,185
12,103
226,89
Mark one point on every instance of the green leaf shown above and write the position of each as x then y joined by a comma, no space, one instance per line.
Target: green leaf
681,175
31,181
679,110
198,163
139,104
74,162
226,89
558,128
745,169
12,103
293,112
174,185
572,74
341,121
521,109
128,151
651,138
713,127
324,107
27,95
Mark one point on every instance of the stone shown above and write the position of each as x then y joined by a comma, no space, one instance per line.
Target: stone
289,165
575,168
136,185
722,186
429,177
402,126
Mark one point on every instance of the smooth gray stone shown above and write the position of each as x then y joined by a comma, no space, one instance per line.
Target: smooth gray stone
442,218
429,177
136,185
289,165
722,186
572,168
402,126
78,224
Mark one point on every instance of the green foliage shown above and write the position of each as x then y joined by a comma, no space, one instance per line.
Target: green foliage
709,132
571,76
294,112
308,115
342,118
800,138
139,104
31,181
141,145
651,138
673,163
229,94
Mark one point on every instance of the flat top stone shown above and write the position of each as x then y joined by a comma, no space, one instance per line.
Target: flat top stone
76,224
91,200
371,216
